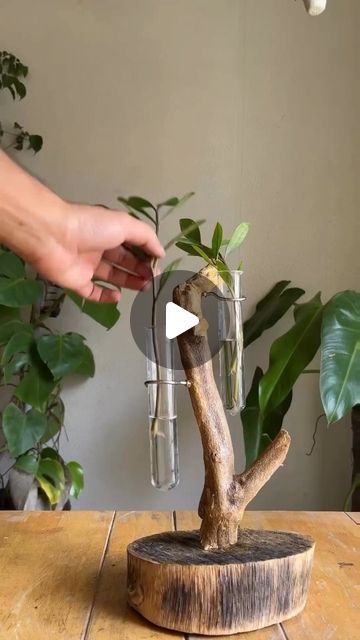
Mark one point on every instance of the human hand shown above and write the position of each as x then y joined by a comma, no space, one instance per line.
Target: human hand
86,242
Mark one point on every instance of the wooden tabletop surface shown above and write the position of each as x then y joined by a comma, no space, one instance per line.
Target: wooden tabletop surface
63,575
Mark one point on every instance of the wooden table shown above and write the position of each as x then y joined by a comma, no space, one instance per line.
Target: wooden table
63,575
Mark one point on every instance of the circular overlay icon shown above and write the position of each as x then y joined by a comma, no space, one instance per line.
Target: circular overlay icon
172,320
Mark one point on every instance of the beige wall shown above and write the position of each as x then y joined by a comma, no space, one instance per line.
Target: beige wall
251,104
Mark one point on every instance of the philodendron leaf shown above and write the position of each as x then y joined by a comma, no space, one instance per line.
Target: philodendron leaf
19,343
10,323
16,364
105,313
87,365
237,238
340,355
22,430
55,419
28,462
290,354
77,478
51,478
37,383
19,292
61,353
258,430
10,265
270,309
217,240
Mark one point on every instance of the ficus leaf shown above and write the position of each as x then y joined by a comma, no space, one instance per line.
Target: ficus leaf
184,233
190,230
174,203
238,236
62,353
217,240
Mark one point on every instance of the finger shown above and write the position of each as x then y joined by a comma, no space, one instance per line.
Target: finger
141,235
102,229
125,258
96,293
108,273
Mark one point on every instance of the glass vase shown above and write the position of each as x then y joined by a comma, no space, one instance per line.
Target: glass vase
231,353
164,453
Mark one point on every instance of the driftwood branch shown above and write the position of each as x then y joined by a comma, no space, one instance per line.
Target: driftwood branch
225,494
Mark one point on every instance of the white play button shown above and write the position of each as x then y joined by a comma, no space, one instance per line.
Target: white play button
178,320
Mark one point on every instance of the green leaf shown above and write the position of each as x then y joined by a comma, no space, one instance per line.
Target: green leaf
16,364
19,343
190,230
77,478
87,364
51,478
270,309
340,355
174,203
10,265
20,292
188,247
28,463
62,353
225,273
22,430
184,233
140,205
10,323
290,354
259,431
217,240
237,237
105,313
55,419
37,384
169,269
50,452
35,143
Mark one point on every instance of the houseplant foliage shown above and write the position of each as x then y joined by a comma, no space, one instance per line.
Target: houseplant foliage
34,359
334,329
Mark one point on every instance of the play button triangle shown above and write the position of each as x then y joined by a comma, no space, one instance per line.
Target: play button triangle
178,320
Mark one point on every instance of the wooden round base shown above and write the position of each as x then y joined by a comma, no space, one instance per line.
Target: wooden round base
260,581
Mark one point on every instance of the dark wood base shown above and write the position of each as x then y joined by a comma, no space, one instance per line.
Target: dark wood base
260,581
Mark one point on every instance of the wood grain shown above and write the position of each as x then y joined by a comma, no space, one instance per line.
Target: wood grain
49,564
261,580
190,520
112,618
333,609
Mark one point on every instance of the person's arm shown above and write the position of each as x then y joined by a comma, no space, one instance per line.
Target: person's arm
69,244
